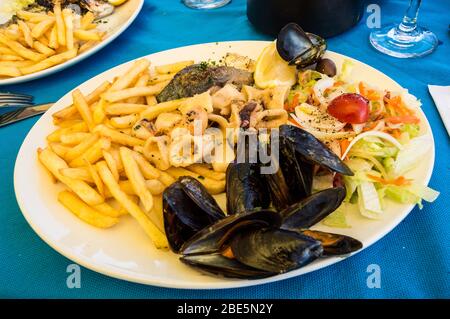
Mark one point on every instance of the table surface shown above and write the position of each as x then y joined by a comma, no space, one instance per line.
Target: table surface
414,258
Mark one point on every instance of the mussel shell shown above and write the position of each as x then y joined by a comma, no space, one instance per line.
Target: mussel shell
245,188
312,150
312,209
183,217
293,180
298,47
212,238
334,244
219,265
275,250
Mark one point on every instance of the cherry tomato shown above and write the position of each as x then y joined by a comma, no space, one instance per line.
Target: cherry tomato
350,108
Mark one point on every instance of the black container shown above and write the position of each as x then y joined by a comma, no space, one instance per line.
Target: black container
326,18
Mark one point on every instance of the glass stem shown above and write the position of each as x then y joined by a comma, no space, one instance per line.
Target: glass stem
409,22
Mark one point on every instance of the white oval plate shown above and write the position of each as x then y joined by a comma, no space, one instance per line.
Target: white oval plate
125,251
115,24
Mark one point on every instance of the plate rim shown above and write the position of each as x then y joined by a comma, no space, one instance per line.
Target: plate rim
131,276
78,58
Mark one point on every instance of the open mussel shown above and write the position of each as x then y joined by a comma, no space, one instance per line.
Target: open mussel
245,188
298,47
334,244
312,209
187,208
313,150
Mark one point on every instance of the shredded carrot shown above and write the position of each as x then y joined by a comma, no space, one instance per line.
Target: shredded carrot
403,119
291,106
369,94
294,122
399,181
344,143
396,133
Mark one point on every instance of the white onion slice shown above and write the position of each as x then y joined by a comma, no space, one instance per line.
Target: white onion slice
372,133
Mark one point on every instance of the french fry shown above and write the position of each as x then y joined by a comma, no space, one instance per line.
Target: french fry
80,173
166,178
81,148
55,136
85,212
112,164
114,151
26,33
131,75
86,20
151,100
85,35
124,94
155,187
203,170
7,51
173,67
68,22
43,39
40,47
152,112
49,62
59,149
125,121
16,64
9,71
62,123
20,49
108,210
136,178
53,40
6,57
74,138
59,22
83,108
92,154
158,237
91,98
54,163
161,77
98,112
124,108
147,169
213,186
27,15
95,177
86,46
42,27
156,215
141,82
118,137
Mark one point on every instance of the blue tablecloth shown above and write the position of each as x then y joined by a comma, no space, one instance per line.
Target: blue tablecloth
414,258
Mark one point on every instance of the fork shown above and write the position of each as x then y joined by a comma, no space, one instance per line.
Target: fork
15,100
23,113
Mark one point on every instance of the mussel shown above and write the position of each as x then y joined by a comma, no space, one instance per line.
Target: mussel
187,208
299,152
299,47
245,188
334,244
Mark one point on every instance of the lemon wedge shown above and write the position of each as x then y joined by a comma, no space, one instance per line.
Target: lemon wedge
117,2
271,70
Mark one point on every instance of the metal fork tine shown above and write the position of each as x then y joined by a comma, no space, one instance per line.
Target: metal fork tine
18,95
11,101
21,105
10,97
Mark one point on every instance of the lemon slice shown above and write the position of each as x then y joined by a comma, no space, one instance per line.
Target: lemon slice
117,2
271,70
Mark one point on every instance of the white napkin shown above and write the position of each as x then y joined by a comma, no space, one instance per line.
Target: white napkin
441,97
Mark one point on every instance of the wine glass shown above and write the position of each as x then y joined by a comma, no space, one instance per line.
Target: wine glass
205,4
407,39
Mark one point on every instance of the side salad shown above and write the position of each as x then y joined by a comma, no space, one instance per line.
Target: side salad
376,132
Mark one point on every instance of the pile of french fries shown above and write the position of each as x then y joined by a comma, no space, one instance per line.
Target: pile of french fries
39,41
97,152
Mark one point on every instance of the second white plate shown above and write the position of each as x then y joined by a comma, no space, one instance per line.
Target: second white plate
114,25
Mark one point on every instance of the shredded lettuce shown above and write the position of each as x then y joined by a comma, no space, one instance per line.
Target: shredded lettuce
411,154
337,218
368,200
346,71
